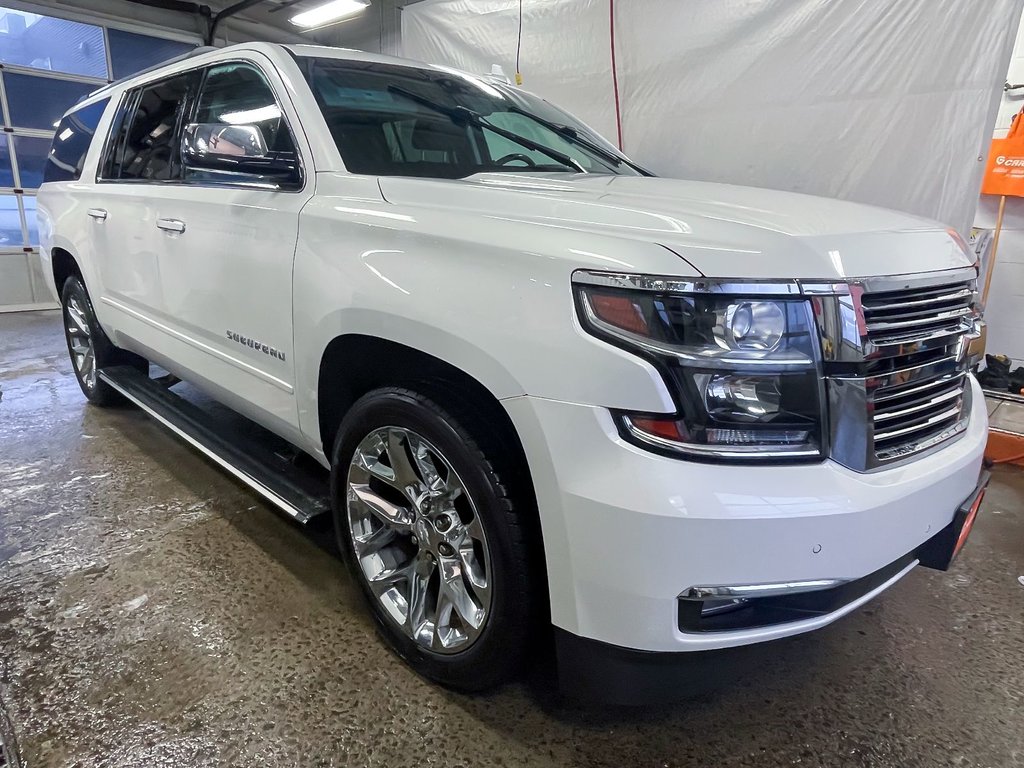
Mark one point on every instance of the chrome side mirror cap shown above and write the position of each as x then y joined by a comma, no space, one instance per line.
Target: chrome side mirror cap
211,144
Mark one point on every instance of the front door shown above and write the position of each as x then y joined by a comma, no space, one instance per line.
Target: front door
226,245
210,252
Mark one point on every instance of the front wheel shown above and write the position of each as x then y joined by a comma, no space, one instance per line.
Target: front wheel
432,537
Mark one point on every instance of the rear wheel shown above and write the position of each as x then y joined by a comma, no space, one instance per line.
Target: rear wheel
433,539
89,347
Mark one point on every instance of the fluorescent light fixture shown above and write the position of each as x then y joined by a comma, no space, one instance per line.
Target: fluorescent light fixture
334,10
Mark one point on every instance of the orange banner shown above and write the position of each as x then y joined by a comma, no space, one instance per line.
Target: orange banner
1004,174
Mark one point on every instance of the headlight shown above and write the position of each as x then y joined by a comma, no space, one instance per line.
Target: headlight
741,363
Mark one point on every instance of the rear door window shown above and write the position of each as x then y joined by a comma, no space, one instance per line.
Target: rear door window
149,147
71,143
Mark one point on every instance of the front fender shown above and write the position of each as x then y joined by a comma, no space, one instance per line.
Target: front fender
497,304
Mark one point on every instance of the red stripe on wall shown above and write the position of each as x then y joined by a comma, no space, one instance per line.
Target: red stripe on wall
615,72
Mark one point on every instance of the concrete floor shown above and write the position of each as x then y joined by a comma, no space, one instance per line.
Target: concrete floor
155,613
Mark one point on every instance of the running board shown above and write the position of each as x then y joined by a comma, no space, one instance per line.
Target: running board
301,493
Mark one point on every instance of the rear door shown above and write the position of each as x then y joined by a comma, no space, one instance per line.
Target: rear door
140,162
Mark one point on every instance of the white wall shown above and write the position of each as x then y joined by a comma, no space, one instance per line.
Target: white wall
1005,310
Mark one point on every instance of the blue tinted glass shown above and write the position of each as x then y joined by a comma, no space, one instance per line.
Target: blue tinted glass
42,42
131,52
39,102
6,174
70,145
31,153
10,222
29,202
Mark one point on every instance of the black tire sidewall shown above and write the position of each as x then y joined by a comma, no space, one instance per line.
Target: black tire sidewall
105,352
73,288
495,655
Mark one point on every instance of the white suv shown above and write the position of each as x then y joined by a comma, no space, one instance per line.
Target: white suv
665,416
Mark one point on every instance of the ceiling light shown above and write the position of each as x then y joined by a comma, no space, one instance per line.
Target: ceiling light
334,10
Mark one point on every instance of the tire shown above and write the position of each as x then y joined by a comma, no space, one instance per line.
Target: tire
488,558
89,347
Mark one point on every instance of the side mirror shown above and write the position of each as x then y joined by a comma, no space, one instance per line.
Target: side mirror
209,144
238,149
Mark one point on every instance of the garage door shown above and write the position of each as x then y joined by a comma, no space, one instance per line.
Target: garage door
46,65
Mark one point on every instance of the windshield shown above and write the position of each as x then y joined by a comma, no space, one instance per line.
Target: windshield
392,120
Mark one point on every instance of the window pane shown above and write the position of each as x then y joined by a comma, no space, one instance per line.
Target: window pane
31,153
151,150
39,102
237,95
10,222
29,201
70,145
6,174
42,42
130,52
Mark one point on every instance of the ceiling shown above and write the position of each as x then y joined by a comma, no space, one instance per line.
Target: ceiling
276,14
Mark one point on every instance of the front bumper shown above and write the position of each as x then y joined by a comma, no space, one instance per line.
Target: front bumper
626,531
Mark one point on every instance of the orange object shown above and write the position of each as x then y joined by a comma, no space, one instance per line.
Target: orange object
1005,447
1004,174
965,531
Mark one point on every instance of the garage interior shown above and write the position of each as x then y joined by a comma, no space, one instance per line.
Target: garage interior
155,612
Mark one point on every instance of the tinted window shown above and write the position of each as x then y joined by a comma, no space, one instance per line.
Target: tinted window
42,42
70,144
32,153
131,52
10,222
39,102
396,120
237,94
6,172
150,147
29,203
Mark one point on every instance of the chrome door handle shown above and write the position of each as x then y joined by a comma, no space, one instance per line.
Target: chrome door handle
171,225
97,213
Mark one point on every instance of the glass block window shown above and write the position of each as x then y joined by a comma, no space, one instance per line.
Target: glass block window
40,102
131,52
10,223
29,204
31,152
6,171
57,45
49,64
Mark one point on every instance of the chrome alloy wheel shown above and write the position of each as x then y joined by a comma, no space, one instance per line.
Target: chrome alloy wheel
418,540
83,351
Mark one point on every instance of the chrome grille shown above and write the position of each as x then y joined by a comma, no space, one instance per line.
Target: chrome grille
916,392
895,361
896,317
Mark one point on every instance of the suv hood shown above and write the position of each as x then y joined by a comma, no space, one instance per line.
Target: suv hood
720,229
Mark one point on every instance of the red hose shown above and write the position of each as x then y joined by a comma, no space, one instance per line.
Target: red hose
615,72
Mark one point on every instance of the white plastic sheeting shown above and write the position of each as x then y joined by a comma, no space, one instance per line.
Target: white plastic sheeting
880,101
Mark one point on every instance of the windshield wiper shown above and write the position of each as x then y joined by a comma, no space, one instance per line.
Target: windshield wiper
462,116
577,138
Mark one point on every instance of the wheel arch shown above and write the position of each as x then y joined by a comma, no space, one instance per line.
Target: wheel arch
354,364
63,265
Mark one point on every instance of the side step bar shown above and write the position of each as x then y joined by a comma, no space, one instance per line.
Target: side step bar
301,494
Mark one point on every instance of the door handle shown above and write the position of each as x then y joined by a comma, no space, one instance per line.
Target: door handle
171,225
97,213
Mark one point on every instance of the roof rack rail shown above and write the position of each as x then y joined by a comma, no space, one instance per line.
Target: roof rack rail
197,51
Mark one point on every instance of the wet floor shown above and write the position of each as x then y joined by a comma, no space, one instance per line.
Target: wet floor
155,613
